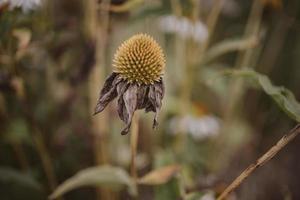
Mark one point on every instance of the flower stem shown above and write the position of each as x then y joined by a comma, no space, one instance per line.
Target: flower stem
133,145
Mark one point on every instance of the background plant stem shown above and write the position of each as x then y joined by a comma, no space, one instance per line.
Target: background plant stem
97,33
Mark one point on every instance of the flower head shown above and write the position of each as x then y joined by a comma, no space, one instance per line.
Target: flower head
137,79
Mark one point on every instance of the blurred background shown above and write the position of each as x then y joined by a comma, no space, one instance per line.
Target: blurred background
55,56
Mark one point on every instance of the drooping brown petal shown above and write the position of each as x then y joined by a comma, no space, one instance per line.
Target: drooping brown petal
142,96
108,92
130,102
121,88
155,96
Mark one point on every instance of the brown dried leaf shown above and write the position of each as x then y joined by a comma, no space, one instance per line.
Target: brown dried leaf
159,176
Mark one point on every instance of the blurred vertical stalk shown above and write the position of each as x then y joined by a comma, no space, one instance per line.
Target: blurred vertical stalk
246,58
180,55
96,28
44,156
211,23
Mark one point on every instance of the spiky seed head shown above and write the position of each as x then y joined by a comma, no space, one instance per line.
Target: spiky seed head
139,59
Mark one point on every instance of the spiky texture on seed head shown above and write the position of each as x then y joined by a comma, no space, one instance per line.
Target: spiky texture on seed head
140,59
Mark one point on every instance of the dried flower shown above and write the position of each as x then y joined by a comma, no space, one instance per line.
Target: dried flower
137,79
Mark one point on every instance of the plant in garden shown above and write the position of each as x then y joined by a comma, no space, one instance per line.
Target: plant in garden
137,79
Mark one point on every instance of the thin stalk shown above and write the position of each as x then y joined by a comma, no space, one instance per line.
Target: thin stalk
286,139
134,136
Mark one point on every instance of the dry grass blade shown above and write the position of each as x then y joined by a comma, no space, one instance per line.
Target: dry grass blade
159,176
228,46
125,7
261,161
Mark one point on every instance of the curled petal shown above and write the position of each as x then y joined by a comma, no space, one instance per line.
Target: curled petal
130,105
155,96
108,92
142,96
121,88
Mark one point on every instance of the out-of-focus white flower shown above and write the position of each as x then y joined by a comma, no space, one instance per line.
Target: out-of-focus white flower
208,196
198,127
25,5
184,27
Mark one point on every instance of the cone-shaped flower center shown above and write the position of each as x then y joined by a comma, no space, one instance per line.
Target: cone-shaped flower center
140,59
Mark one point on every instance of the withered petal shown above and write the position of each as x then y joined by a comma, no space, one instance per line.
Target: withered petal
142,93
155,96
130,102
121,88
108,92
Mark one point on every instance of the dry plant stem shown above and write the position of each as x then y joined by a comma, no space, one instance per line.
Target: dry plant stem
98,33
261,161
133,145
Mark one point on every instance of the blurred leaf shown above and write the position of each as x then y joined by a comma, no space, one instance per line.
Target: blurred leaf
159,176
14,184
113,177
170,190
282,96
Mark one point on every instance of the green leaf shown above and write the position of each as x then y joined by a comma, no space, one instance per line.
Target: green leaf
282,96
15,184
109,176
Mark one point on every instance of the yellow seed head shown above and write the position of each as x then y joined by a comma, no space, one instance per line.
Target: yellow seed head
139,59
